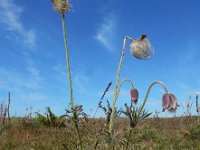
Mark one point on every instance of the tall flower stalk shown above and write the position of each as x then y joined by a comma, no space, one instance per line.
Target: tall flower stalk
67,61
116,87
63,6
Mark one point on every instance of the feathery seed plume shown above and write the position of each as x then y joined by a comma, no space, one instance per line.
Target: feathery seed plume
61,6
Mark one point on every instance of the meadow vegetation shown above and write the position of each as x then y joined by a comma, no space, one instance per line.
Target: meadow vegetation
131,128
59,134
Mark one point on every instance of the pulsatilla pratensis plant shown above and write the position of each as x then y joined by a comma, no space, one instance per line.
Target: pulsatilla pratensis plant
140,49
62,7
135,117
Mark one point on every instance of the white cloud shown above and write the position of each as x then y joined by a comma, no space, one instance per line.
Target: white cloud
61,71
16,82
29,38
195,92
106,32
81,82
34,96
24,86
10,14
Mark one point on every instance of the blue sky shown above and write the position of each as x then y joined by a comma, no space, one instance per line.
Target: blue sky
32,60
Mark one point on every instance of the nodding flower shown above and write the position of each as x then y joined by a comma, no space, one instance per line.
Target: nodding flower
169,102
141,48
61,6
134,95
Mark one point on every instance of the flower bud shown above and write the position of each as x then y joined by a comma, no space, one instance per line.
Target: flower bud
134,95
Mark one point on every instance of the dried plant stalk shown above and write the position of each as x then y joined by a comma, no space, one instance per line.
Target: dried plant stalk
9,106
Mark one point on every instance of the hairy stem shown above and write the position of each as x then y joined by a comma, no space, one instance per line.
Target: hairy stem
70,80
67,61
78,132
122,82
111,128
129,137
148,91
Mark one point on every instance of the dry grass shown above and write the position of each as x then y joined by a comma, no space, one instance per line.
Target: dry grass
171,133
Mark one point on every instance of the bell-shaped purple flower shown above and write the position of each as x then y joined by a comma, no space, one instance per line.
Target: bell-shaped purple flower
169,102
134,95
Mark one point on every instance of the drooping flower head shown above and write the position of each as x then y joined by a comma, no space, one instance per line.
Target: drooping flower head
169,102
61,6
134,95
141,48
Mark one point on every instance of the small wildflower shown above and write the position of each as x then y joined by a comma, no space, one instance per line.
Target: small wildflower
134,95
169,102
61,6
141,48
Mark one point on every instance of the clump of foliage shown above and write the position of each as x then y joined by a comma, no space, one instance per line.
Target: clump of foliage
50,120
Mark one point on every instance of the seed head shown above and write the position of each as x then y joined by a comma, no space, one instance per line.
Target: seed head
134,95
141,48
61,6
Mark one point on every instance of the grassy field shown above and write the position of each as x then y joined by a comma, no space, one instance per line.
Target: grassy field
155,133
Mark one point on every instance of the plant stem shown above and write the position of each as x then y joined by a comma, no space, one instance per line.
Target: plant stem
70,80
148,91
78,133
111,130
129,136
9,107
67,61
122,82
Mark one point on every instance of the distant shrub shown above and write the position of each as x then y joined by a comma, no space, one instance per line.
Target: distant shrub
50,120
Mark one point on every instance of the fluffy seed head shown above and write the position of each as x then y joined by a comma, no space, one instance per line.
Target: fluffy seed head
141,48
61,6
